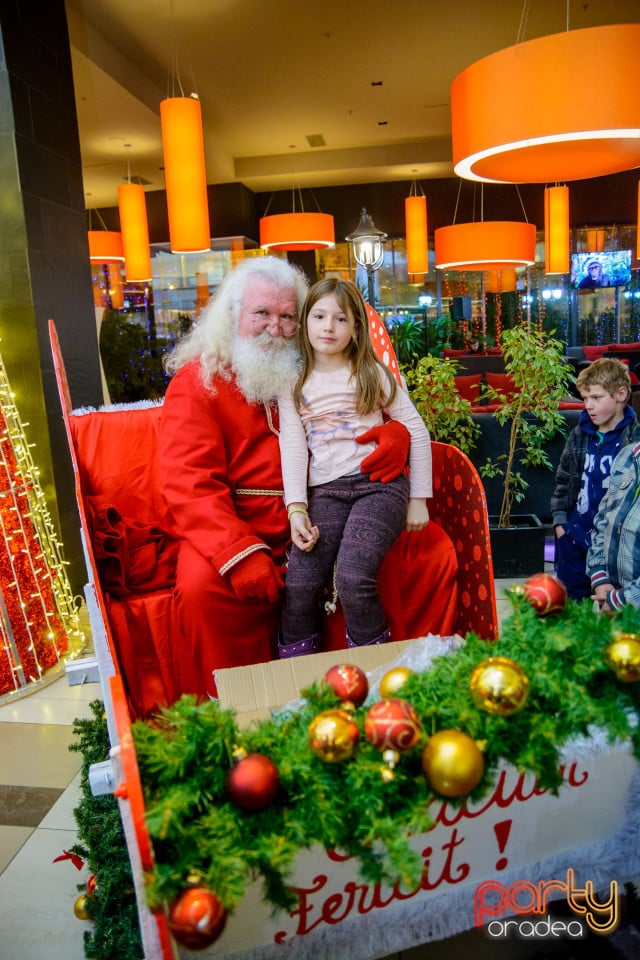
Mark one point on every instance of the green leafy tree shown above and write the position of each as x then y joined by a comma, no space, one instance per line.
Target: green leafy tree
131,359
541,379
408,339
432,387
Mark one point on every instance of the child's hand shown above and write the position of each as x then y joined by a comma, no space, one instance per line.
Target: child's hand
600,596
417,514
303,533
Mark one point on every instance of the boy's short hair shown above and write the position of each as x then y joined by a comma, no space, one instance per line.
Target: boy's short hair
606,372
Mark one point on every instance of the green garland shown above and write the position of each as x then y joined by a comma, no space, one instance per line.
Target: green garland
115,931
185,754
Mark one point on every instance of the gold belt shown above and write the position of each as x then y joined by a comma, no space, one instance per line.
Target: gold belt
251,492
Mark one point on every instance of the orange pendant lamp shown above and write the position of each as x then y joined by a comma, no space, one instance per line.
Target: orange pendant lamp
415,218
105,246
485,245
185,174
638,226
135,232
556,229
297,231
500,281
116,290
522,115
595,238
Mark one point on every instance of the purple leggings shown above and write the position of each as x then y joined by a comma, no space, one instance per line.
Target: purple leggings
359,521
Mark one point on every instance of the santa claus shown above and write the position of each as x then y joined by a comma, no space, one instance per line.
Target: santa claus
221,476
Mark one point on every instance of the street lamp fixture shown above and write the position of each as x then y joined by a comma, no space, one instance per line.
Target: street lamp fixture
368,249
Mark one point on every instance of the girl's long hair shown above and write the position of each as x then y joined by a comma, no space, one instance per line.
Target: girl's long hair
372,392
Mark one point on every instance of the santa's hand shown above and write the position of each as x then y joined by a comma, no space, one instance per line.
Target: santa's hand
389,459
256,578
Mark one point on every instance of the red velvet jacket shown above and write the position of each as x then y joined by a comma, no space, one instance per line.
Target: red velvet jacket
213,446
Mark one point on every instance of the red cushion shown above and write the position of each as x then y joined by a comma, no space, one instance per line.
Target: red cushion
468,386
503,382
494,350
632,376
622,347
453,353
594,353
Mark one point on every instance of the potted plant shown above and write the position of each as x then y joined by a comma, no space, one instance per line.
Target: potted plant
432,387
408,337
540,379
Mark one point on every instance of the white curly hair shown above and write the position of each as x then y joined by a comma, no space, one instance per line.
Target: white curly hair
211,337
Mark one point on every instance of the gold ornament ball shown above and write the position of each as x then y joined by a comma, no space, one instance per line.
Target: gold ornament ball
452,763
499,686
333,736
82,907
393,681
623,657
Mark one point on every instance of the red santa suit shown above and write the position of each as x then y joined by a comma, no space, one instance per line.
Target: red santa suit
221,476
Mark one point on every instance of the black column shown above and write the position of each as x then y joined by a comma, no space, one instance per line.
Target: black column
44,259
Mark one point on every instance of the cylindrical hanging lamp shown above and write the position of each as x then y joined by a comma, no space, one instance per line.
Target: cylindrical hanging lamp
185,175
521,115
116,291
500,281
638,226
556,229
105,246
135,232
485,245
415,217
297,231
595,240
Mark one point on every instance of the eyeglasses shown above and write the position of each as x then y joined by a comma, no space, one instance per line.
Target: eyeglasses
287,326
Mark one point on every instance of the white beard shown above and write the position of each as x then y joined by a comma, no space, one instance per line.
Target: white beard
264,366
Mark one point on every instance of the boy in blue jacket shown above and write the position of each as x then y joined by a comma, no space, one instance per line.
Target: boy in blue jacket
606,424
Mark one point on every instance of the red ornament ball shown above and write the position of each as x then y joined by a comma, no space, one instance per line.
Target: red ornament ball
349,682
197,918
253,782
392,725
92,885
545,593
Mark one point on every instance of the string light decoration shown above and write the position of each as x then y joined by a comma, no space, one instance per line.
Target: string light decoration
39,621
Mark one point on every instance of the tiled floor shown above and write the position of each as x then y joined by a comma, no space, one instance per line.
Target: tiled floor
38,792
39,789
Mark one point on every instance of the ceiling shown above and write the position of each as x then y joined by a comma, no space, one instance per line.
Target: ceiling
370,79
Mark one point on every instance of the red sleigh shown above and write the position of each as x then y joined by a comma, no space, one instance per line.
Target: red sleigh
130,589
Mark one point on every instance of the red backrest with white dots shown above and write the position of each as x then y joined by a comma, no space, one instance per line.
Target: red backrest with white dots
381,343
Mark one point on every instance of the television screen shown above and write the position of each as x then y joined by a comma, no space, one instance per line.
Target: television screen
609,268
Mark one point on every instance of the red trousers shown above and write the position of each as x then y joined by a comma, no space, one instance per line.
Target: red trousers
418,588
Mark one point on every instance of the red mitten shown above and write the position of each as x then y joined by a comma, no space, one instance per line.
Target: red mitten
389,459
256,578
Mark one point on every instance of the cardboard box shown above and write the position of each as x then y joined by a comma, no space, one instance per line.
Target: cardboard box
254,691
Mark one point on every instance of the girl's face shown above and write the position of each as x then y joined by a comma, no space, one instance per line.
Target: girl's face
330,328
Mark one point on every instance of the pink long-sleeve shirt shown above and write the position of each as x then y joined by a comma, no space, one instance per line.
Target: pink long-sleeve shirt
317,443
